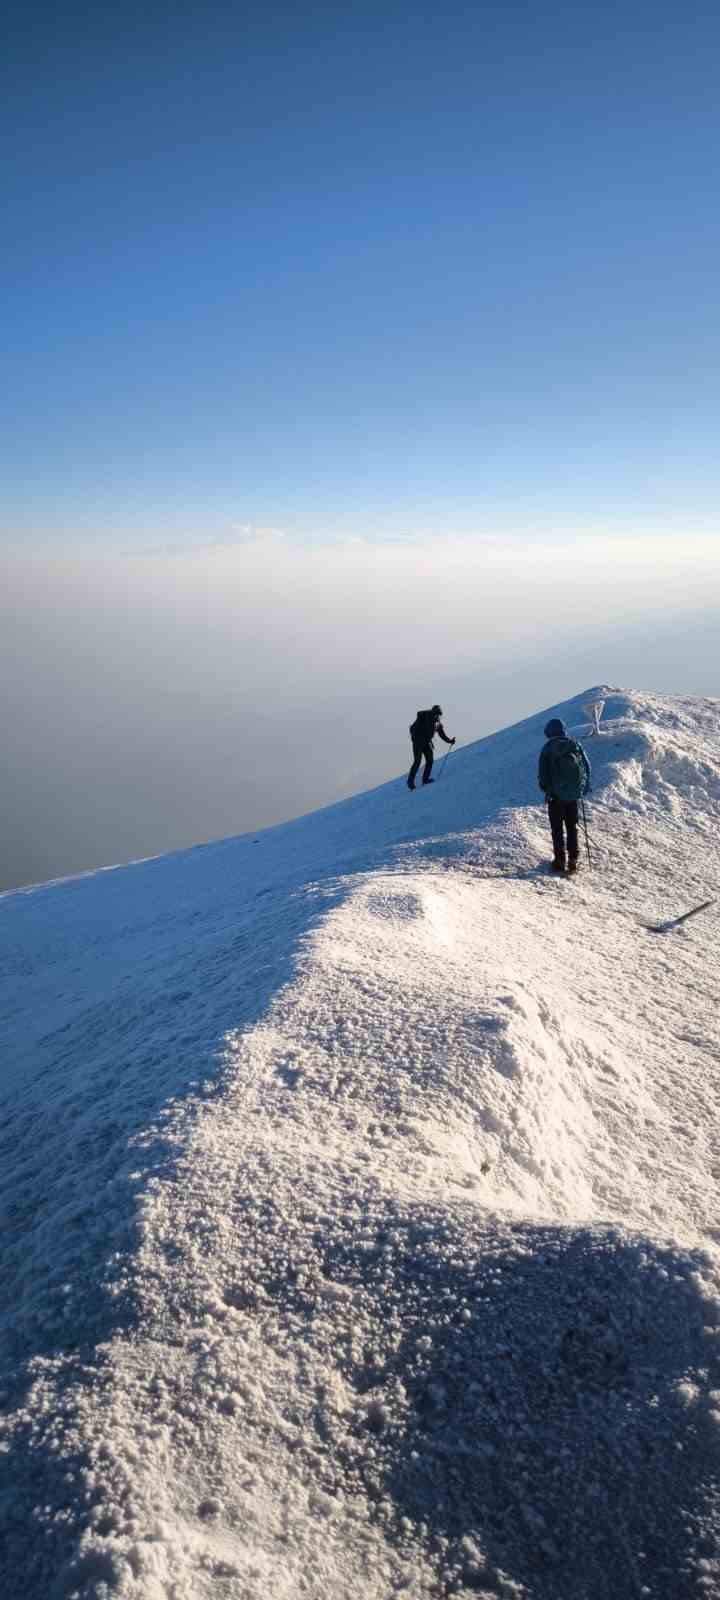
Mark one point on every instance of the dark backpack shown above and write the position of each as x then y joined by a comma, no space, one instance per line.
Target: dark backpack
423,727
567,770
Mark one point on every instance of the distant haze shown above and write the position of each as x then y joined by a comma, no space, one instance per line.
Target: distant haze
158,701
368,356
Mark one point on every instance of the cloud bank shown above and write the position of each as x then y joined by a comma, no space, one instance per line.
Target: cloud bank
157,701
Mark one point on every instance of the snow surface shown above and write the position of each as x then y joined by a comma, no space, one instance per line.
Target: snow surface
359,1188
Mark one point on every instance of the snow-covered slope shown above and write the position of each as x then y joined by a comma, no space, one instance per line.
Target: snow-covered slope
359,1185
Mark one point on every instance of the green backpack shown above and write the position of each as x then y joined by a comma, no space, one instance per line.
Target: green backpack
567,770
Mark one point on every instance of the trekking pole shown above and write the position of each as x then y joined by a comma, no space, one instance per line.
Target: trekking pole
441,767
587,841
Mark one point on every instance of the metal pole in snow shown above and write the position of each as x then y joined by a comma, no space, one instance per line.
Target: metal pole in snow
666,927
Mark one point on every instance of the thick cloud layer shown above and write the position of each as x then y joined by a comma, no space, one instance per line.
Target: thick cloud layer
161,700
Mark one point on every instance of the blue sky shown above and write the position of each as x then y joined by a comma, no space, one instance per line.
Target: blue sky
368,269
356,356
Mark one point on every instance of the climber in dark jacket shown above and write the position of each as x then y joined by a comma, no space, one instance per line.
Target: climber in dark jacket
422,732
564,776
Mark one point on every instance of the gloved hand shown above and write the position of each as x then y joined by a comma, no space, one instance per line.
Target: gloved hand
452,741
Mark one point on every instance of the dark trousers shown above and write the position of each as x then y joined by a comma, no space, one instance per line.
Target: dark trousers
564,812
421,747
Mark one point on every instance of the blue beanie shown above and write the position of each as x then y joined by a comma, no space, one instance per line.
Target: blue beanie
555,729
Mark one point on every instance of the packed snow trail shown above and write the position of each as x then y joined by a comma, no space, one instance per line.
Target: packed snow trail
363,1198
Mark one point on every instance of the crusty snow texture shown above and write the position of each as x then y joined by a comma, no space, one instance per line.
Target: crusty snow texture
359,1180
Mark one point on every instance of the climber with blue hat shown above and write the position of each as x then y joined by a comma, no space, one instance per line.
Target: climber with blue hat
564,777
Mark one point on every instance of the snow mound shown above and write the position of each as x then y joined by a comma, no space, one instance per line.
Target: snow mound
360,1197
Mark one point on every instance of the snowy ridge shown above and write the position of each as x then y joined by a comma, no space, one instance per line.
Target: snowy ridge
361,1197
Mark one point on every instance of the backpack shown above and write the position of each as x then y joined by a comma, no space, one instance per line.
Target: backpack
567,770
424,725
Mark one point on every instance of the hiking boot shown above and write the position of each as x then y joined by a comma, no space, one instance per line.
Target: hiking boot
572,866
557,865
428,780
411,785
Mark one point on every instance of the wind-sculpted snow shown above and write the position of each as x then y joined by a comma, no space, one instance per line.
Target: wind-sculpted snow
360,1198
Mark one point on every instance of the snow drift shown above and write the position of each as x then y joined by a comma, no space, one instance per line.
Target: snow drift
360,1197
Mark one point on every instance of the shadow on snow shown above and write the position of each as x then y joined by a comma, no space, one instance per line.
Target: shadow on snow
556,1421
